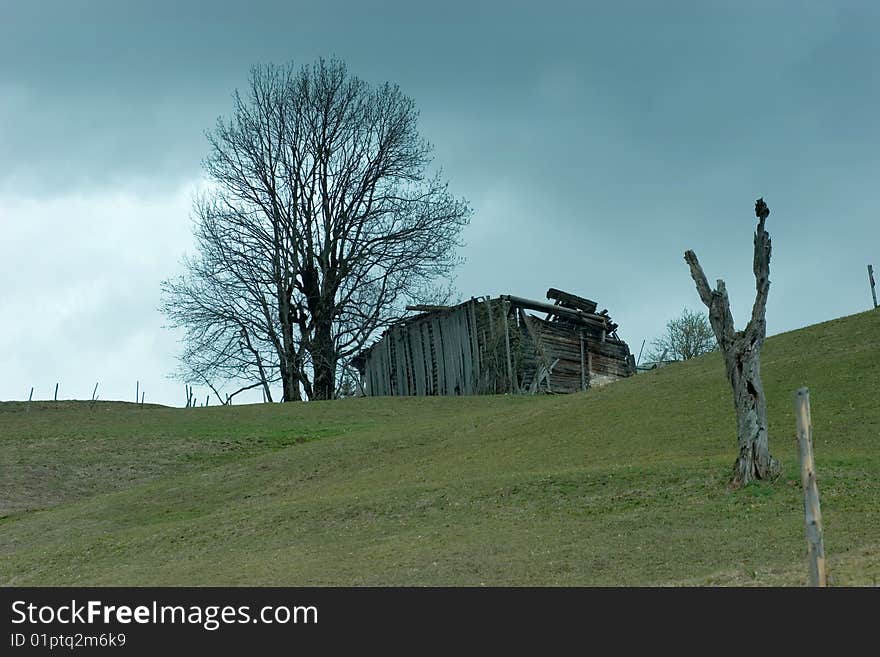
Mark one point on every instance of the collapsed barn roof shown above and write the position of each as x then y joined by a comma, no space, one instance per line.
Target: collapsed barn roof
493,345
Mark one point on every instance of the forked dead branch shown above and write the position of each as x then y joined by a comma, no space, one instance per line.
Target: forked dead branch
742,357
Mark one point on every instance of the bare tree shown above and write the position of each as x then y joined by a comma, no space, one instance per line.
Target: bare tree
227,336
687,336
322,222
742,357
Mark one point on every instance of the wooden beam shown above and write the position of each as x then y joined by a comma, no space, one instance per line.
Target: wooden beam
440,356
418,354
504,308
427,354
583,364
572,300
586,318
812,512
488,303
467,351
427,308
475,344
403,359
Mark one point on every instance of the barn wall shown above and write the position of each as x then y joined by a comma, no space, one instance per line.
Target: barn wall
436,354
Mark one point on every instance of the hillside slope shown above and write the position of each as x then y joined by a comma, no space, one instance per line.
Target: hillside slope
622,485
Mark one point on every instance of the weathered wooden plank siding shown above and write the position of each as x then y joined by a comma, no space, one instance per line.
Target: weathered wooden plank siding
451,353
397,353
427,351
418,352
408,379
389,367
467,357
439,354
475,347
467,360
432,345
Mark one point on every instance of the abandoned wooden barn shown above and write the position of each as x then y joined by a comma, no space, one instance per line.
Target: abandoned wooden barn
493,345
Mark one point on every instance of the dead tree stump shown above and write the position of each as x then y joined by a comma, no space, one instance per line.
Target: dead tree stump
742,358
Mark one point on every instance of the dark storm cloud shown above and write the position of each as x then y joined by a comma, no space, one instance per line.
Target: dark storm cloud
596,142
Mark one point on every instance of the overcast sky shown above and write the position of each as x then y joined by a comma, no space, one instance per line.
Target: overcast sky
596,142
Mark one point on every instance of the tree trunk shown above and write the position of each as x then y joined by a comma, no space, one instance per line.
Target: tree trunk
742,358
289,364
290,390
743,362
288,357
267,392
324,359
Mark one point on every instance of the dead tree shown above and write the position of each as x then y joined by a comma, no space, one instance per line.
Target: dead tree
742,358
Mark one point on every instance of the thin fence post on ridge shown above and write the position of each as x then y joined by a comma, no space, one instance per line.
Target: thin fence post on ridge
812,511
871,282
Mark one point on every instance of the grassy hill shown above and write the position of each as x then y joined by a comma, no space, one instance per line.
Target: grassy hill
622,485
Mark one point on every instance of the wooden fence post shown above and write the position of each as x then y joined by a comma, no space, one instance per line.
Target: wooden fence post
812,512
641,349
871,281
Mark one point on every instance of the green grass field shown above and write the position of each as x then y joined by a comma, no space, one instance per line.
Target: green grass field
624,485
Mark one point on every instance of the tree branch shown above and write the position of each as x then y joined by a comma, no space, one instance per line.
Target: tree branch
715,300
761,268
